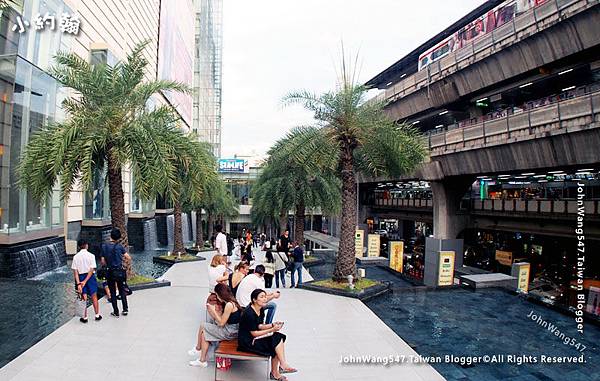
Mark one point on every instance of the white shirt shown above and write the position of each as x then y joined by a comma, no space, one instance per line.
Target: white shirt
280,257
250,283
221,243
83,261
213,274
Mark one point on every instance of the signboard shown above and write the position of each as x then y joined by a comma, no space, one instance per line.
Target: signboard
358,242
523,276
373,248
446,273
593,304
504,257
396,255
234,166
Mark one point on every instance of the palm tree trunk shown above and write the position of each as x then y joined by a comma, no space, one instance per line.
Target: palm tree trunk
345,263
199,235
117,206
299,218
177,230
283,216
209,221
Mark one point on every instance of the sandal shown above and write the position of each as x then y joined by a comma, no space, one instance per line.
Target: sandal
287,370
282,378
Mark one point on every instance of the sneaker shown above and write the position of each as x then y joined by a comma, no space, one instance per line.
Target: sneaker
98,318
115,314
83,320
201,364
194,352
125,313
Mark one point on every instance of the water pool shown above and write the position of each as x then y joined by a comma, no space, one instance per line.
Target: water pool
35,307
465,323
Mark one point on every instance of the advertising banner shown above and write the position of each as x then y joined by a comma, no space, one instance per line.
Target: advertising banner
234,166
373,249
446,270
397,255
359,242
523,276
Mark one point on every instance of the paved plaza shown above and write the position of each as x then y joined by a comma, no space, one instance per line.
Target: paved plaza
151,343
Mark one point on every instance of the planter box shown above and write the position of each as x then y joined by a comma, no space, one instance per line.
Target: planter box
193,250
364,295
174,261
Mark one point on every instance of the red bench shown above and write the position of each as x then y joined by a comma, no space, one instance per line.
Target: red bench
228,349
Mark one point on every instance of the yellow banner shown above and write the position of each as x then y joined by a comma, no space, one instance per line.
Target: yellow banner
358,243
373,248
446,273
523,284
396,255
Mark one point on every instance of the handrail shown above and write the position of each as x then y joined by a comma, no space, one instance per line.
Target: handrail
475,50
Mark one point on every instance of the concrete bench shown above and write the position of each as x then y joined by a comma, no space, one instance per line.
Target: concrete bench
228,349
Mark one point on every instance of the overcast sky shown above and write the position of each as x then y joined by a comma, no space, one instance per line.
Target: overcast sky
271,47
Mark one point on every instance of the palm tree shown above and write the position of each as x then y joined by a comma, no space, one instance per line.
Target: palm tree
362,138
307,182
109,126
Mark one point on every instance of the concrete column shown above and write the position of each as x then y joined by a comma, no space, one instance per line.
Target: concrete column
447,223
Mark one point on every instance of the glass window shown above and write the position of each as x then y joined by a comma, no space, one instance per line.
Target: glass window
97,199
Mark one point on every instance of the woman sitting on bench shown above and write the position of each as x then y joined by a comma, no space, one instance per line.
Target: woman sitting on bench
263,339
226,327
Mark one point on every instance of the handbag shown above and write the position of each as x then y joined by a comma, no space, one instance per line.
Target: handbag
126,288
117,273
80,306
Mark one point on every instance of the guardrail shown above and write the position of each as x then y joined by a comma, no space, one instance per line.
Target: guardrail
405,202
549,207
537,19
562,114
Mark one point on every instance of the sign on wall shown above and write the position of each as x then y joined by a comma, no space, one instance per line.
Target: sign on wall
446,273
396,255
504,257
373,249
234,166
358,242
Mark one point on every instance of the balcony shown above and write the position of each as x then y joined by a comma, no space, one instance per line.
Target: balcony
563,116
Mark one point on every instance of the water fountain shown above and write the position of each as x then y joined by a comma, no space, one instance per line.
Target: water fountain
150,240
33,258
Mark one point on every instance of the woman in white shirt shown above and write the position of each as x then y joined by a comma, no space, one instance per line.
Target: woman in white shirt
217,272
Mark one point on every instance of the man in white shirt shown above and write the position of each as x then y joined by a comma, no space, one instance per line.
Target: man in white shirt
256,281
84,267
221,241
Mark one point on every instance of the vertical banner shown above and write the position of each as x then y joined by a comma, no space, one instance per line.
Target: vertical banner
358,242
523,278
446,270
373,249
396,255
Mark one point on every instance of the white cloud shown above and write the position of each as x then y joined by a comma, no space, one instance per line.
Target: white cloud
272,47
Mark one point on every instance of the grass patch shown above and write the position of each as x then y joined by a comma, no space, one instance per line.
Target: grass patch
310,259
358,286
137,279
183,258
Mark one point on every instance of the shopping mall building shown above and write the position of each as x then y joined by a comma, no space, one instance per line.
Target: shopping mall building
508,98
34,236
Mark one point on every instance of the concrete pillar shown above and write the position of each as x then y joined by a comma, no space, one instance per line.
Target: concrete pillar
447,223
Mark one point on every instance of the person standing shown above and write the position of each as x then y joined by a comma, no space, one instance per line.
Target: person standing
221,241
269,264
298,255
284,242
280,267
84,268
113,255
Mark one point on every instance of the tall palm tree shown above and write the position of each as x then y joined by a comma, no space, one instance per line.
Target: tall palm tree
362,138
307,182
109,126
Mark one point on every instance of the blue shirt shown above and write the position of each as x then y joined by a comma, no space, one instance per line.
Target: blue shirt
298,254
113,254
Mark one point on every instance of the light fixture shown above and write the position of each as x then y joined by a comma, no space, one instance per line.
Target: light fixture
525,85
443,112
503,176
487,179
439,126
389,83
528,174
403,75
481,177
520,177
416,122
555,172
568,88
565,71
481,100
585,170
538,176
542,181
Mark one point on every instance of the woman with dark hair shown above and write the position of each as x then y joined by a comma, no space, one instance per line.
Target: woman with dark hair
263,339
247,253
224,328
269,264
241,270
113,256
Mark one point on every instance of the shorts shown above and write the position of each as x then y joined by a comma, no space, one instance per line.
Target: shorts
91,286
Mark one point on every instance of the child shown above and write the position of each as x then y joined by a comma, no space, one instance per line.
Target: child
84,267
